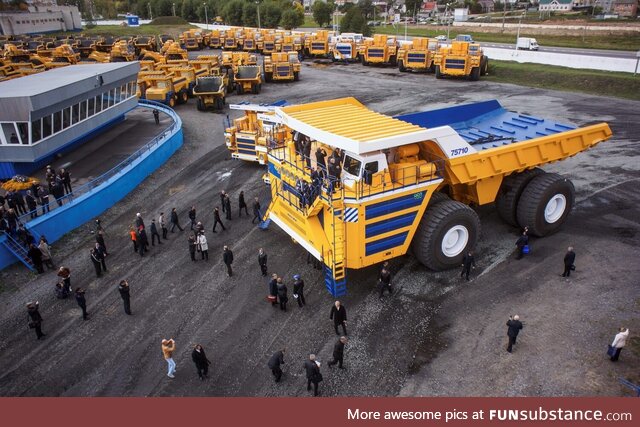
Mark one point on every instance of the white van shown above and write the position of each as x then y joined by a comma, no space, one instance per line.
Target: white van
527,43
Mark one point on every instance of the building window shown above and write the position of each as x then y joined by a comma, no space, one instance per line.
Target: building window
9,131
75,114
36,130
105,100
83,110
118,94
23,132
46,126
98,103
66,117
57,121
92,106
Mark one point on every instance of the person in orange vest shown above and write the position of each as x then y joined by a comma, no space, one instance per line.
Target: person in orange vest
134,238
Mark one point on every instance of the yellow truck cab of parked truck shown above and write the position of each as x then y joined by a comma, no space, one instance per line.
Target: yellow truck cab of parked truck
409,181
461,59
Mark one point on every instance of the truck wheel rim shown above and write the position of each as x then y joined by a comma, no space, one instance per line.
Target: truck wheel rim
555,208
455,240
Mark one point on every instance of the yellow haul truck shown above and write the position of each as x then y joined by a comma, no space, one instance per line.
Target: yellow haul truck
248,79
167,89
408,181
347,47
281,67
418,55
461,59
317,45
211,92
249,137
214,39
382,49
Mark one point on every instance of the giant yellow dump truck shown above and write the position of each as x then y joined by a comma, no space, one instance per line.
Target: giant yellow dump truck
249,137
409,181
418,55
317,45
461,59
382,49
281,67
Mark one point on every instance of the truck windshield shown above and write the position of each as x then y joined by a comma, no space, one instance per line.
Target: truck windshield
352,166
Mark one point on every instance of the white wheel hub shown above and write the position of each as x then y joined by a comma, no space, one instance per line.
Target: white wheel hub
555,208
455,240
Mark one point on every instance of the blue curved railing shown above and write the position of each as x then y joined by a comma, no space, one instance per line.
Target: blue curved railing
87,187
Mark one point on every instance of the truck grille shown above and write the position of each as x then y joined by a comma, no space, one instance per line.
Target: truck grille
457,64
345,50
416,57
287,48
248,44
230,42
376,53
317,46
268,46
283,70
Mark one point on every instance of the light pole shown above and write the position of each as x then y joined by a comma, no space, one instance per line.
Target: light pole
206,16
593,10
150,15
446,16
173,7
520,23
258,4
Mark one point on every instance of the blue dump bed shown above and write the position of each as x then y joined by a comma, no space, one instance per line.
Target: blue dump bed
487,124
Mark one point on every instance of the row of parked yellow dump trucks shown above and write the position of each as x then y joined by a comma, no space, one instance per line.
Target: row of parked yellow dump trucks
461,57
407,184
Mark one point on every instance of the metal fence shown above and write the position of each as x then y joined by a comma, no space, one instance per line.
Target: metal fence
96,182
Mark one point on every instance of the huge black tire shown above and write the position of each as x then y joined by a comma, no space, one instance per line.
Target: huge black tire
509,194
545,204
200,104
436,198
393,60
183,96
239,89
401,66
296,76
475,74
231,83
219,104
446,232
484,66
438,73
268,77
364,61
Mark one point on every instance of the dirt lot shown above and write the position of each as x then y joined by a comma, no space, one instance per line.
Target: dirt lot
437,335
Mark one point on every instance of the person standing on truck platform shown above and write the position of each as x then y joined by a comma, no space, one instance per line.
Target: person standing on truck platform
339,315
467,262
569,259
156,116
522,241
321,155
515,326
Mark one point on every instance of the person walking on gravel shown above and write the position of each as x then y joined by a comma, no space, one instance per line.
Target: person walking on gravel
203,246
35,321
339,315
168,347
515,325
123,288
163,225
314,376
242,204
193,244
273,289
468,261
384,281
619,342
282,294
175,221
338,353
65,274
262,261
274,363
82,303
298,290
227,257
522,241
154,233
256,212
201,361
569,259
216,219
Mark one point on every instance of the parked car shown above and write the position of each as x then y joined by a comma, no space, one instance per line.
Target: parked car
441,38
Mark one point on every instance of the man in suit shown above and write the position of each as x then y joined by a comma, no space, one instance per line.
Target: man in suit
515,325
227,257
339,315
467,262
276,360
262,260
569,259
338,352
312,369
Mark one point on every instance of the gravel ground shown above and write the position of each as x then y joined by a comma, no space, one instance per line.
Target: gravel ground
435,336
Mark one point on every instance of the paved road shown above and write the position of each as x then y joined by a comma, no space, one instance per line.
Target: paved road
391,341
570,50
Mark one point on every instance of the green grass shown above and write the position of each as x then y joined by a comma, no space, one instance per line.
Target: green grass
618,85
309,22
611,42
145,29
